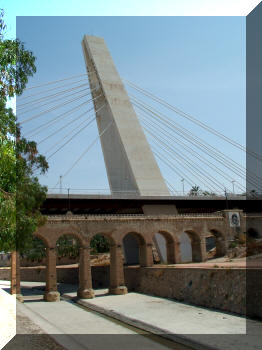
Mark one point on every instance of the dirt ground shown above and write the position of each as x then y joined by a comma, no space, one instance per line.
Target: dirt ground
30,337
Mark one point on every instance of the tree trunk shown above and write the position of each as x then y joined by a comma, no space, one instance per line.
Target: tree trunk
15,273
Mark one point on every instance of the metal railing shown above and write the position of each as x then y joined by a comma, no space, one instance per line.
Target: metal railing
150,193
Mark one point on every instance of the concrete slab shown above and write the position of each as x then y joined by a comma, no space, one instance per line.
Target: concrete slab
199,327
75,328
168,315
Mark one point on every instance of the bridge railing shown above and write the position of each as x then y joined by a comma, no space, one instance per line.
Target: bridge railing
119,216
70,192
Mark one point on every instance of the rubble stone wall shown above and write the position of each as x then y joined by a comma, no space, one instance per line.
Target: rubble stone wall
217,288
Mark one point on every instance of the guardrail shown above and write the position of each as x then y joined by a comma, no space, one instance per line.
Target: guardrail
104,216
132,195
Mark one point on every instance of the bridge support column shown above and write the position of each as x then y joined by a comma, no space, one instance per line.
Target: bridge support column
117,279
221,246
51,293
146,255
199,250
173,253
203,250
85,290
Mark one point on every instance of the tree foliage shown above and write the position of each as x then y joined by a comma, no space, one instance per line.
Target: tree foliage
67,245
16,63
99,244
197,191
20,192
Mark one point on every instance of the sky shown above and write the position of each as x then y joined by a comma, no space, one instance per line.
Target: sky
195,63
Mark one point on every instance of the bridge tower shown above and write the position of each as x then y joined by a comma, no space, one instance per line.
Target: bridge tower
130,163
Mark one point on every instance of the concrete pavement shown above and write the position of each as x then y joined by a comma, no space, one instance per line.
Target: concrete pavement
197,327
167,316
75,328
191,325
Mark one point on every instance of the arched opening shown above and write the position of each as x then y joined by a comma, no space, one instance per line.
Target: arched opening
190,247
100,261
185,248
36,256
210,246
163,249
252,233
67,251
219,246
134,249
252,242
36,253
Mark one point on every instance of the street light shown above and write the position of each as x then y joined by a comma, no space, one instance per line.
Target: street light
226,198
182,180
60,183
233,181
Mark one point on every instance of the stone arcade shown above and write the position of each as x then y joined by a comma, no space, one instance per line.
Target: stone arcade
143,228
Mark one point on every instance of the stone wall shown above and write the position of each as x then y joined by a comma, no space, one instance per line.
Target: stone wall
218,288
100,275
96,259
222,289
231,290
5,261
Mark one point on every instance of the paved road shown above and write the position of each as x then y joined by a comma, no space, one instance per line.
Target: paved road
78,329
74,328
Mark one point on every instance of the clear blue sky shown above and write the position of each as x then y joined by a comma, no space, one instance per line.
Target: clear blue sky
195,63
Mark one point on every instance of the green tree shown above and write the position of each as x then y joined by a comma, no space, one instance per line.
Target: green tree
67,245
21,194
207,193
16,63
99,244
195,191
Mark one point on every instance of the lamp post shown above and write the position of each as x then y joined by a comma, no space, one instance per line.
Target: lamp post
233,183
60,183
226,198
183,186
68,198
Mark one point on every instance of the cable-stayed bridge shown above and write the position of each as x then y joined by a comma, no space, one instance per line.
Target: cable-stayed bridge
75,103
156,156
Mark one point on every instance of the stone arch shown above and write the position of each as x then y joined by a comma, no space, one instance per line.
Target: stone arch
109,236
66,249
140,248
37,252
74,233
43,238
220,243
195,245
169,253
102,279
116,271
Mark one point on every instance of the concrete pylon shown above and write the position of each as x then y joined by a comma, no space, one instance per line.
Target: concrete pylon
130,163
